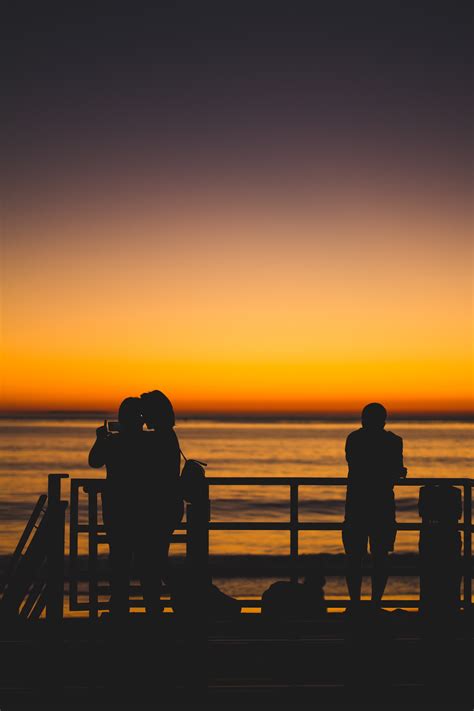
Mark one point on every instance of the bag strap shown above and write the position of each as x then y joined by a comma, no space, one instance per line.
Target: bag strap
203,464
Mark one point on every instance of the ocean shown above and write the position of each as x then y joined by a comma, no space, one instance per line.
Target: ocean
31,448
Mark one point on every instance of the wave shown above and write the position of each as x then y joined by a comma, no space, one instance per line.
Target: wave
16,511
237,462
452,459
9,468
319,505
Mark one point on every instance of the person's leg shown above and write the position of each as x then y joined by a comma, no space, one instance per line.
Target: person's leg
380,558
120,556
120,560
354,577
382,541
355,545
151,558
151,554
163,547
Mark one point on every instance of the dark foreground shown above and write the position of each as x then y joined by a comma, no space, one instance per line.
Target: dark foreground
387,660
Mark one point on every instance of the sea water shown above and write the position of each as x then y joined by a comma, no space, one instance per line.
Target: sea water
31,448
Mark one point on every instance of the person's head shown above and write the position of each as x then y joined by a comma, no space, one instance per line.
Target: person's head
130,415
374,416
157,410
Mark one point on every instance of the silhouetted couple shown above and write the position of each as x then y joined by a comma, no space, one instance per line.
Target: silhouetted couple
142,504
375,458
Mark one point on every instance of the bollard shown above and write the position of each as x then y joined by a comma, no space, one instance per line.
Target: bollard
443,660
440,508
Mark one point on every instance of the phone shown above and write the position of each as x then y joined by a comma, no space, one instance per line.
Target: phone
112,425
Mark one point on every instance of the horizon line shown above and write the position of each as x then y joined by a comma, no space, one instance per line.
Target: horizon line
325,415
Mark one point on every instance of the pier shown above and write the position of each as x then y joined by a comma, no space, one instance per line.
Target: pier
194,531
59,644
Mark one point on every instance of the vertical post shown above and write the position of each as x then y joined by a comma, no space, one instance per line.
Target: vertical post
195,653
467,546
73,543
197,539
294,532
92,526
55,549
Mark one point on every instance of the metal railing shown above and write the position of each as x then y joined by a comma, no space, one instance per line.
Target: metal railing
196,536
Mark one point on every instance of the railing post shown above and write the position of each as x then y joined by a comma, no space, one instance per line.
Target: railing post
467,546
92,562
55,549
73,543
197,539
294,532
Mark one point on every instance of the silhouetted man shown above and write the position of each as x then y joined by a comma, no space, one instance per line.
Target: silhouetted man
129,506
375,458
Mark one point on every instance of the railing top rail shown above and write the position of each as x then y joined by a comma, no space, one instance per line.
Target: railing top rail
297,480
329,481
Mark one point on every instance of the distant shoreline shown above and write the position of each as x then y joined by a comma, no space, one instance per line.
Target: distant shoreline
465,417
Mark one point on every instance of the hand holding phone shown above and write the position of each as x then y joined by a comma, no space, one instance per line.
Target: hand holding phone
102,431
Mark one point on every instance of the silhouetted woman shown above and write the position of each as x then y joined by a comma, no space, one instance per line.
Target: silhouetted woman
158,415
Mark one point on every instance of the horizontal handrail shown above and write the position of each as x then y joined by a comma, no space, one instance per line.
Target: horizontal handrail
298,481
97,532
101,530
328,481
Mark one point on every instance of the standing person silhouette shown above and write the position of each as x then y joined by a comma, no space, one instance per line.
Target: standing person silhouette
375,459
165,453
129,507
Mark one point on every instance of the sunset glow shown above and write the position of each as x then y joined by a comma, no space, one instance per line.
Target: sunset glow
306,312
273,231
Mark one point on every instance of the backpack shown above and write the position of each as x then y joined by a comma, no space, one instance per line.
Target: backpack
440,503
193,480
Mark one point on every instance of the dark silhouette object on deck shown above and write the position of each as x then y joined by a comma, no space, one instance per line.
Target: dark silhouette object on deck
440,508
287,600
375,459
197,598
141,504
193,486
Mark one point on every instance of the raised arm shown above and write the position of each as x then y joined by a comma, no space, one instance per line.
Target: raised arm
98,453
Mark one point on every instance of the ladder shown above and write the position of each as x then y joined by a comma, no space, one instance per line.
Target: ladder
35,576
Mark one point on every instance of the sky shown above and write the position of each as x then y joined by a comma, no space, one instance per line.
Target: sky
255,208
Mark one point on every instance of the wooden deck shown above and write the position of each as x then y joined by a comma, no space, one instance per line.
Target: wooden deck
391,659
388,660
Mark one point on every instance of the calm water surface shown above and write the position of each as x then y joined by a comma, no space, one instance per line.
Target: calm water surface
30,449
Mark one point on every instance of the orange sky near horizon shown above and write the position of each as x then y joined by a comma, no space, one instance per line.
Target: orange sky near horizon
235,305
252,211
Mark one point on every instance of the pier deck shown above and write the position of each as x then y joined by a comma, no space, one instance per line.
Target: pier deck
393,658
389,660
